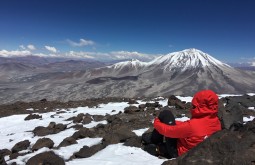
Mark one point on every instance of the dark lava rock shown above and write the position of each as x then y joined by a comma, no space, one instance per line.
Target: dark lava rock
44,142
33,116
42,131
83,133
43,100
114,119
231,113
3,153
15,155
46,158
142,106
86,151
132,101
87,120
98,117
131,109
134,141
67,142
20,146
119,135
2,161
52,128
223,148
154,105
79,118
174,101
77,126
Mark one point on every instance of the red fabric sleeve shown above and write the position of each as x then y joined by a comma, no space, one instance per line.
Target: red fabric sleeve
178,122
181,130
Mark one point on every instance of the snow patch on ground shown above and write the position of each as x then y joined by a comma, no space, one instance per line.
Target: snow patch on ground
119,154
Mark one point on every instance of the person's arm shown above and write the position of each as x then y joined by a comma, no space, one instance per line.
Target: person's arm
181,130
178,122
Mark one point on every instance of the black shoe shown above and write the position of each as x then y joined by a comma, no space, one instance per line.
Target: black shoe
151,149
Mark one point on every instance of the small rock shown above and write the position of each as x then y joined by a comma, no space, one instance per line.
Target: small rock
33,116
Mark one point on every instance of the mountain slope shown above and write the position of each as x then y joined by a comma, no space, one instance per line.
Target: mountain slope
178,73
183,72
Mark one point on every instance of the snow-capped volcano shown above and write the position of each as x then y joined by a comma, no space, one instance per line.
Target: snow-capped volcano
184,72
188,58
176,61
178,73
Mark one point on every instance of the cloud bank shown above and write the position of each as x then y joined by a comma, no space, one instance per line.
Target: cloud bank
6,53
100,56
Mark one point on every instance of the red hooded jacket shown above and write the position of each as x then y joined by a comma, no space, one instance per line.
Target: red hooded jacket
203,123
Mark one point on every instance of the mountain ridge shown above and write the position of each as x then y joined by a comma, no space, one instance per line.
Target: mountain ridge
177,73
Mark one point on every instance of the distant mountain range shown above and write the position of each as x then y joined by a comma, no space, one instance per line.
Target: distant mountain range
178,73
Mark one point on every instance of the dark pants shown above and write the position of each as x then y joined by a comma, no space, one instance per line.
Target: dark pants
167,146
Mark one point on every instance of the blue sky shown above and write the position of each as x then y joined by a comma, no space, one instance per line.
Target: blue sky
100,29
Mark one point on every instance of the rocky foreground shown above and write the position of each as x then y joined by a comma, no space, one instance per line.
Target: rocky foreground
235,144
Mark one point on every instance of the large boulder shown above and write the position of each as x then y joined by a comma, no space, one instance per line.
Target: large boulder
52,128
43,142
223,148
46,158
120,135
20,146
231,113
86,151
83,133
67,141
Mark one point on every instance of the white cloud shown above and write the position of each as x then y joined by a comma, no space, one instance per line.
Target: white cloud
51,49
31,47
6,53
53,52
22,47
80,54
115,55
132,55
82,42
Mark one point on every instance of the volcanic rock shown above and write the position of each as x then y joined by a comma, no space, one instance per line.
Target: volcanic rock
131,109
223,148
44,142
33,116
86,151
67,141
20,146
46,158
52,128
83,133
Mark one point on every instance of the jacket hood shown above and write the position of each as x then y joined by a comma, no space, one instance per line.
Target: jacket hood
205,103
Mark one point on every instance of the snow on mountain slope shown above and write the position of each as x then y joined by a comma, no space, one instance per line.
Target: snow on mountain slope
188,58
132,63
182,60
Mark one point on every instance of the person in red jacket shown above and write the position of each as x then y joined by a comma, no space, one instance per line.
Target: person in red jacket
203,123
